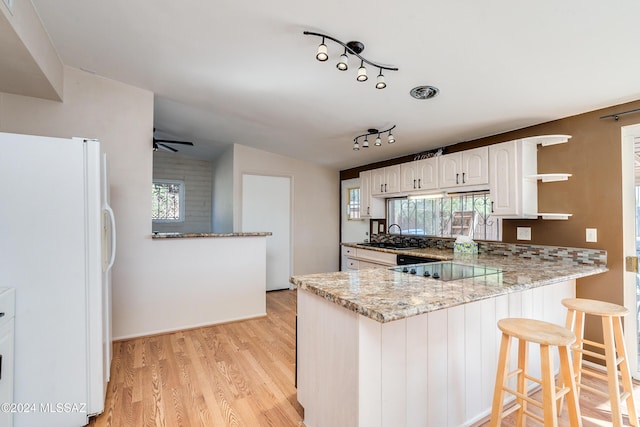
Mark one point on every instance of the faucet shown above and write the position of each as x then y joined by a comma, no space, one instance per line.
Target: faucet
397,225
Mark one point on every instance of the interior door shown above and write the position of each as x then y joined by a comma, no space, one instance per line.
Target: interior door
266,206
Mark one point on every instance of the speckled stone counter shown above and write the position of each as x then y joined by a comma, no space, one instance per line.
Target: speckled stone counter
192,235
385,295
434,253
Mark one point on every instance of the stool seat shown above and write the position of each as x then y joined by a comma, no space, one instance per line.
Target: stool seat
596,308
537,331
546,335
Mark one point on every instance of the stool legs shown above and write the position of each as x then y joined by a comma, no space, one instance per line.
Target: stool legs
549,410
612,328
503,369
567,374
615,354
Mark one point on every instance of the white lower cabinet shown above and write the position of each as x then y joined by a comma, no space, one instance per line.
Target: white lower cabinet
434,369
7,309
359,259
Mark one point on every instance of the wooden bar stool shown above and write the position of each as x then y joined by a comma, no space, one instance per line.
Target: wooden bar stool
546,335
615,353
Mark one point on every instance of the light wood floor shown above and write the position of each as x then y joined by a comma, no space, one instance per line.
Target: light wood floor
235,374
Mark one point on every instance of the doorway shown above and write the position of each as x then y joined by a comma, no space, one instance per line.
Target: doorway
266,206
631,240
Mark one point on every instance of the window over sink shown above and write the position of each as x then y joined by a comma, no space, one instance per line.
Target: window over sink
467,214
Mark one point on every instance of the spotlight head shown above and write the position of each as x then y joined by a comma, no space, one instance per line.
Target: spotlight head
365,143
322,54
343,62
362,73
391,139
378,142
380,84
356,146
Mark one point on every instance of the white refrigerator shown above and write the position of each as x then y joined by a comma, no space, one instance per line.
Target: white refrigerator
57,246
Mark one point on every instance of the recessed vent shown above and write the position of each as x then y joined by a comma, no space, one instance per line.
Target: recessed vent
424,92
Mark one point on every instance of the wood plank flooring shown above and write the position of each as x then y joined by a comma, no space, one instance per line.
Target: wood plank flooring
235,374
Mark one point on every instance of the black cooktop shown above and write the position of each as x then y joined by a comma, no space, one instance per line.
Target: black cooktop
446,270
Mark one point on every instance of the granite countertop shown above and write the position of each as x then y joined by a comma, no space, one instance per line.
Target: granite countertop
385,295
434,253
191,235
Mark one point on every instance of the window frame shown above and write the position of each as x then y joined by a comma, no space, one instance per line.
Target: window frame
349,204
181,200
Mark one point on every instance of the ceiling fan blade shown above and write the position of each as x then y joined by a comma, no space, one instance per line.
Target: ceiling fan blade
167,148
169,141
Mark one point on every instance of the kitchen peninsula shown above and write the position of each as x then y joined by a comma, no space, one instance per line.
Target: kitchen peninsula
381,347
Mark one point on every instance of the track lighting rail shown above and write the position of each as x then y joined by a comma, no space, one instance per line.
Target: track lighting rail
378,141
351,51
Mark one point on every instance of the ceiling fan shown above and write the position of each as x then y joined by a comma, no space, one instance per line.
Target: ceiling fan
161,144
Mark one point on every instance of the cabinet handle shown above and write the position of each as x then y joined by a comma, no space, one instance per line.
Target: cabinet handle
457,178
0,367
491,207
419,182
463,178
369,208
414,184
385,188
381,188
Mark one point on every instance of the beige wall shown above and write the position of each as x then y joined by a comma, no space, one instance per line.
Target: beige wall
223,192
315,204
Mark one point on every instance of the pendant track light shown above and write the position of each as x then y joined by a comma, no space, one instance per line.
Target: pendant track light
378,142
322,54
350,48
362,73
343,63
380,83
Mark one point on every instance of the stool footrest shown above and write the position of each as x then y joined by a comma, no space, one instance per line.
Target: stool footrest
594,375
593,390
534,416
588,353
593,343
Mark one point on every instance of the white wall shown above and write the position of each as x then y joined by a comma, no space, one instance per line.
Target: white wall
196,175
315,194
352,230
147,282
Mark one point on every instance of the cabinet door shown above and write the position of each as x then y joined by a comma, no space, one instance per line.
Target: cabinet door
450,166
370,207
427,173
377,181
503,178
475,166
408,176
365,194
392,179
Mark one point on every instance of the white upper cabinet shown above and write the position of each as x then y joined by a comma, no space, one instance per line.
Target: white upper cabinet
419,175
513,193
385,181
468,168
370,207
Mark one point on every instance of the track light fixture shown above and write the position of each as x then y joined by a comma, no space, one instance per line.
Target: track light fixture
352,48
378,142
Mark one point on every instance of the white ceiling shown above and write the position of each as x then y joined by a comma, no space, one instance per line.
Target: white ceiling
234,71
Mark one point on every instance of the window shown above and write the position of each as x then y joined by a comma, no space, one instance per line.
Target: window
167,204
467,214
353,203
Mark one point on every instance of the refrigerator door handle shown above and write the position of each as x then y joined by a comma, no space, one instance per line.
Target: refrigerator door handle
112,258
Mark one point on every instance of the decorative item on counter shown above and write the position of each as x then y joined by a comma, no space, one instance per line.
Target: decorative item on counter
465,245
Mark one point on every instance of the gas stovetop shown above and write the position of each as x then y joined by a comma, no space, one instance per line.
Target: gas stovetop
446,270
